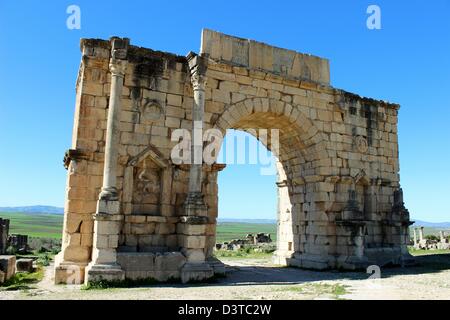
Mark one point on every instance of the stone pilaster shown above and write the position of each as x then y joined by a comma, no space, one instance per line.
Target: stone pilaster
193,224
195,205
108,217
285,232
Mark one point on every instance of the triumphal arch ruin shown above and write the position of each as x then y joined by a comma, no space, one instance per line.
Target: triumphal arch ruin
133,213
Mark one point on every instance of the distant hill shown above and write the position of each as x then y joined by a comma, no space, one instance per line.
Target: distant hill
420,223
34,209
262,221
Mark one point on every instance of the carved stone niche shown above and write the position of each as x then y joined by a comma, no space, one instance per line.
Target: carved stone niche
152,111
146,197
147,176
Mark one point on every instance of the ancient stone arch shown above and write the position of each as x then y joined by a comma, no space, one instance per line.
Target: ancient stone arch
133,212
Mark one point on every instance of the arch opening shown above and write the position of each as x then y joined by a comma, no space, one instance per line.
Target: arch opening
277,135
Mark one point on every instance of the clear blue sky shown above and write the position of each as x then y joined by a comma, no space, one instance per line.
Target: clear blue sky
406,62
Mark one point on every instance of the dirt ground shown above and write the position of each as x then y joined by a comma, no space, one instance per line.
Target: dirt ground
259,279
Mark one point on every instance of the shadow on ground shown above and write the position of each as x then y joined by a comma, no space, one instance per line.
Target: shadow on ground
253,274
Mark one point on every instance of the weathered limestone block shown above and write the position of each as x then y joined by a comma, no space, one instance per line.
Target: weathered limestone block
158,266
8,266
191,229
170,261
24,265
196,272
191,241
76,253
136,261
194,255
165,228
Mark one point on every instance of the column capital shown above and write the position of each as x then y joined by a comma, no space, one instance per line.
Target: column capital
117,67
197,68
198,82
119,52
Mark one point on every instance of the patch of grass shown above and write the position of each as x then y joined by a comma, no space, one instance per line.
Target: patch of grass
127,283
247,253
227,231
420,252
23,280
42,258
35,225
318,289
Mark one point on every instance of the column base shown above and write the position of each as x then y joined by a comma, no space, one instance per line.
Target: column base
217,266
108,206
193,272
281,257
310,261
352,262
103,272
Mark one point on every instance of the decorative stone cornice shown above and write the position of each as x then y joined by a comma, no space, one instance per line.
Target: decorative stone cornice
282,184
77,155
194,219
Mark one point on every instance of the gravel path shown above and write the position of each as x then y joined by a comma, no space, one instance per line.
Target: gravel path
259,279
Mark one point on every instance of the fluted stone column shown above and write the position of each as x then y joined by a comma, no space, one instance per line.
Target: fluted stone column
415,237
117,68
193,238
108,218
